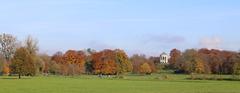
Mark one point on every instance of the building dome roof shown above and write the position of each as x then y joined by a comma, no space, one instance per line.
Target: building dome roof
164,53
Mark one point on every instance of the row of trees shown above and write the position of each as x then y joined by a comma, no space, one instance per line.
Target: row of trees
205,61
106,62
22,58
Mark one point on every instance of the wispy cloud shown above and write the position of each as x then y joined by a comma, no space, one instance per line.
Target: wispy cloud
165,39
211,42
100,46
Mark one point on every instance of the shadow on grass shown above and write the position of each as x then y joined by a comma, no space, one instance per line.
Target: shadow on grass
214,79
14,78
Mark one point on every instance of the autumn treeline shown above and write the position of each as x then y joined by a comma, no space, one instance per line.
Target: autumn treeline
107,62
23,59
205,61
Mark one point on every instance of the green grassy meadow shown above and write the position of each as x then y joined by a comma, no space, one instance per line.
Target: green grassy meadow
130,84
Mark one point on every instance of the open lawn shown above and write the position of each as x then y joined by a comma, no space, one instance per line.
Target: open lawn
130,84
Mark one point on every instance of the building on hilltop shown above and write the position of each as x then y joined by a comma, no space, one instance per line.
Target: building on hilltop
164,57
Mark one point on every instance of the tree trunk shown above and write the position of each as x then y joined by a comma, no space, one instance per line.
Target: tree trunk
19,76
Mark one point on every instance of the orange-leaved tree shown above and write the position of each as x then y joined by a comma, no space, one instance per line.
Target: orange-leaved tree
175,58
104,62
75,62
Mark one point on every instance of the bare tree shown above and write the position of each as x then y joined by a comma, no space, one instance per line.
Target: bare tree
31,45
7,45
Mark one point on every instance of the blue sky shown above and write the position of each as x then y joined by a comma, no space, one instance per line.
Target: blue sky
137,26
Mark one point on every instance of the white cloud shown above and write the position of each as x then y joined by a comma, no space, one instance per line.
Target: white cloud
211,42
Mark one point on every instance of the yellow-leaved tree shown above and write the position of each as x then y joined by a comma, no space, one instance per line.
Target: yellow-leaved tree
145,69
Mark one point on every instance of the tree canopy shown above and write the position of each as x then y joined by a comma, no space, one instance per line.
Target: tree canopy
23,63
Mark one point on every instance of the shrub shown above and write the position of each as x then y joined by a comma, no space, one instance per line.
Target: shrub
145,69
